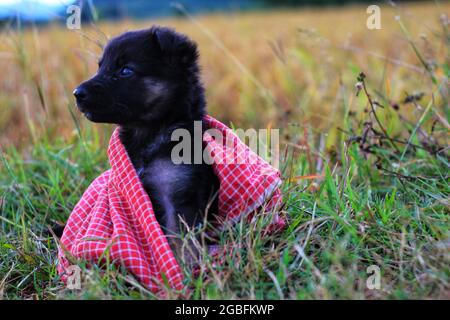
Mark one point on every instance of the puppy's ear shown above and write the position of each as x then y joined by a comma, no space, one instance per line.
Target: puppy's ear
175,48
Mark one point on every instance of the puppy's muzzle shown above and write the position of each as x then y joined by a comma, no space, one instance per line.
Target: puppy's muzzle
80,94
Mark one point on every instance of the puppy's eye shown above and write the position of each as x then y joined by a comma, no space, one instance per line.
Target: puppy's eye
126,72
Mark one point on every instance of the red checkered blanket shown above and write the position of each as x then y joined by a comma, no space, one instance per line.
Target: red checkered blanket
115,216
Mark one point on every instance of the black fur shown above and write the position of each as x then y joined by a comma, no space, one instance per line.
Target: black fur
148,82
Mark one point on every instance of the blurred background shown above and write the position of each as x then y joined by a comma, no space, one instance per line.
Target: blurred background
50,10
265,62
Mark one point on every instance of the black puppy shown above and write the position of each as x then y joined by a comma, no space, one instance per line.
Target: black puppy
148,83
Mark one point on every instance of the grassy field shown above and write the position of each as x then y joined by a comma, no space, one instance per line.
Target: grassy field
364,122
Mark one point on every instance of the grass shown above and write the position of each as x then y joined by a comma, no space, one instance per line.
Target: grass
365,167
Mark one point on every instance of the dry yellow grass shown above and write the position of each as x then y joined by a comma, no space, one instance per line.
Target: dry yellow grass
281,67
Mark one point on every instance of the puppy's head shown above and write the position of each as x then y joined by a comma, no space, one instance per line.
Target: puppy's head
141,76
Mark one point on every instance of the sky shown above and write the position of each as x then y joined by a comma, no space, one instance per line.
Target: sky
46,2
32,9
47,10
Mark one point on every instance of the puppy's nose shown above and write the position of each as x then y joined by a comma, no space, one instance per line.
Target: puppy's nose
80,93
